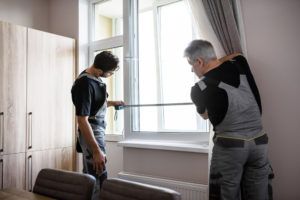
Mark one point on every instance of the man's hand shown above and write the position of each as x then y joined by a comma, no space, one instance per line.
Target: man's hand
204,115
229,57
115,103
99,159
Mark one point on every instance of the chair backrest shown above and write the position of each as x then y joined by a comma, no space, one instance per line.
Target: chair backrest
119,189
64,185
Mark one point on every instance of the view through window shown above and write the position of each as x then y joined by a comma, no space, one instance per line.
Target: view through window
108,25
164,76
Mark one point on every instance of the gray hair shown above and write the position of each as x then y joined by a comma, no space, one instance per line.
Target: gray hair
200,49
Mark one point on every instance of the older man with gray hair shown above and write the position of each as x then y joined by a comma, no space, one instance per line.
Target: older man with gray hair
227,95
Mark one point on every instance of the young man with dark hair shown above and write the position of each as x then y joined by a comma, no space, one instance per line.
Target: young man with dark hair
89,97
227,95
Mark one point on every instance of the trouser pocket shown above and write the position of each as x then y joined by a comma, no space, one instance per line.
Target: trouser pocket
229,142
270,179
261,140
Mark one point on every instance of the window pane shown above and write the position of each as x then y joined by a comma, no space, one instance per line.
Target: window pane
176,76
108,19
164,74
147,64
147,72
114,86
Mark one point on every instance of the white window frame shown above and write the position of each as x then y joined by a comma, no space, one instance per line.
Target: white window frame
101,45
131,85
129,42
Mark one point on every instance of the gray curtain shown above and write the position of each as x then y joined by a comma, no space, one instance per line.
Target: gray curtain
222,16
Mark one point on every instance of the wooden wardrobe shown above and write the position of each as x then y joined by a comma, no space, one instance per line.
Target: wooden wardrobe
37,70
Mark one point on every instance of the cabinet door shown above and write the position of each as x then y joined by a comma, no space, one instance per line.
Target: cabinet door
12,171
52,158
50,76
67,158
12,88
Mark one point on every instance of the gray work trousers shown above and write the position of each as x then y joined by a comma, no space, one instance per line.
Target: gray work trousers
88,162
240,170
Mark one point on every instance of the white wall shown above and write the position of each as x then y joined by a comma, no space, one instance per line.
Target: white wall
272,35
115,159
173,165
55,16
63,17
30,13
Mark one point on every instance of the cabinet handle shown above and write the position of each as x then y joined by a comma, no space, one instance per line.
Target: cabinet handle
2,177
29,131
30,173
2,132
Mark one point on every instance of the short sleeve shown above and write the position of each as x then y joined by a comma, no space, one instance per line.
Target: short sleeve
82,97
198,99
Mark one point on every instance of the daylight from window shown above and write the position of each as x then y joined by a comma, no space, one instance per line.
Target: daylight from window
108,23
164,75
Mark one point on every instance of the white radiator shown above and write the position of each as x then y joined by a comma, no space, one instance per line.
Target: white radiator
188,191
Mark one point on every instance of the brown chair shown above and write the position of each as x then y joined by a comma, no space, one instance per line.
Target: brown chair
64,185
119,189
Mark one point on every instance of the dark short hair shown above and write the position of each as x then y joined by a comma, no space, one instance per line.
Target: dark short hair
106,61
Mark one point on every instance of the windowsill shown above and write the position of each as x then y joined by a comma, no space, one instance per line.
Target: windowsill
196,147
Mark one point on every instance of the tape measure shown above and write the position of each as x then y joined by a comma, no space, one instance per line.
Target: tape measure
120,107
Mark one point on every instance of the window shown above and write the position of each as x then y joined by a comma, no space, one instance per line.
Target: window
107,19
164,75
114,85
154,70
106,34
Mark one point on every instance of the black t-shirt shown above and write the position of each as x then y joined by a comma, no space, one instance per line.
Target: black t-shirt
88,96
214,99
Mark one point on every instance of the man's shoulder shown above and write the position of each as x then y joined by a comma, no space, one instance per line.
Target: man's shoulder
204,85
228,72
82,82
88,80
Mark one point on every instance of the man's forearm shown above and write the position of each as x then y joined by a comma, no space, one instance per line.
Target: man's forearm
87,132
114,103
229,57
